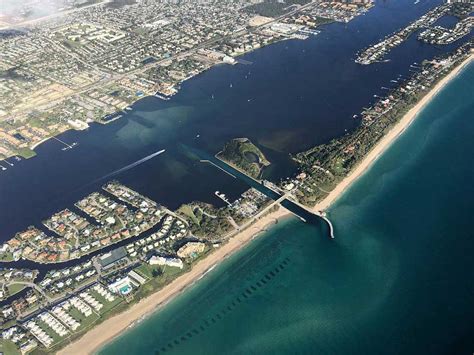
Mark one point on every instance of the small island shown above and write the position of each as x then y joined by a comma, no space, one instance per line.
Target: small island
243,154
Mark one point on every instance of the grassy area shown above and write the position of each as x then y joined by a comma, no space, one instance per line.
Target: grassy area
8,324
338,167
323,21
146,270
107,305
188,211
6,257
49,331
72,44
8,347
273,8
12,289
86,322
26,153
168,275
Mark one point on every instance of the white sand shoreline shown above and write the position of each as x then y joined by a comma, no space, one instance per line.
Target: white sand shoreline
116,325
389,138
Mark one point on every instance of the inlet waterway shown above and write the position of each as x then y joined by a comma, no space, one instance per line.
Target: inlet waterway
304,214
295,94
398,279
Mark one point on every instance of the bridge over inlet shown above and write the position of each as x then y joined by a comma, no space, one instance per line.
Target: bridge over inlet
270,190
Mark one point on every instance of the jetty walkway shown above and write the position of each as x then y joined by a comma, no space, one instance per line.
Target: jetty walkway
270,190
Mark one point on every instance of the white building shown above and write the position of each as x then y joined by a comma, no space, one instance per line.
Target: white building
160,260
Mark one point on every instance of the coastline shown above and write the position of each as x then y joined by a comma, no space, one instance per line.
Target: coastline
114,326
157,95
389,138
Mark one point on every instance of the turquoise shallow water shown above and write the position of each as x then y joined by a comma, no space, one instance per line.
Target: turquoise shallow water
398,278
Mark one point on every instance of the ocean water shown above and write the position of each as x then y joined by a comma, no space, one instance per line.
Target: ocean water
398,278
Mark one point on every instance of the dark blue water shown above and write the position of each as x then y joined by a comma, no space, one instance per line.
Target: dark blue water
301,93
398,278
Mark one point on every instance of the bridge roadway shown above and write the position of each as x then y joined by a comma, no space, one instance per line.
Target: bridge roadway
299,210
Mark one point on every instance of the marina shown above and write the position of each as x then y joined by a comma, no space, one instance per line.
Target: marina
375,256
66,145
101,242
300,211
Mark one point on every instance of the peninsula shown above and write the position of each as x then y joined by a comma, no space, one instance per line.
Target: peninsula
106,331
86,273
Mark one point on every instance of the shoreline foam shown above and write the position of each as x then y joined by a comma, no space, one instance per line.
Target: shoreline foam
116,325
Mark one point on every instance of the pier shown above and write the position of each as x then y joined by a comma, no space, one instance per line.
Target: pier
6,161
66,146
270,190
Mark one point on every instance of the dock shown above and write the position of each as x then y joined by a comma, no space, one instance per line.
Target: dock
304,213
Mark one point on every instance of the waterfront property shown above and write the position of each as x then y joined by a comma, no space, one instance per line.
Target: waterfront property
76,236
203,226
395,269
433,35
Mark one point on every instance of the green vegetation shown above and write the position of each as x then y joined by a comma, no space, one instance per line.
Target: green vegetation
167,275
56,338
26,153
243,154
274,8
15,288
326,165
8,347
86,322
14,74
6,256
71,44
147,270
193,213
323,20
205,220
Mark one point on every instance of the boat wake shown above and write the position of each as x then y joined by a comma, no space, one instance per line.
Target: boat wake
131,166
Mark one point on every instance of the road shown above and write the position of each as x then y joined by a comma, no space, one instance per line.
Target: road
32,285
108,78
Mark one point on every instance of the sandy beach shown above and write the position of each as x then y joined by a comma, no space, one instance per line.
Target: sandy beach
388,139
114,326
